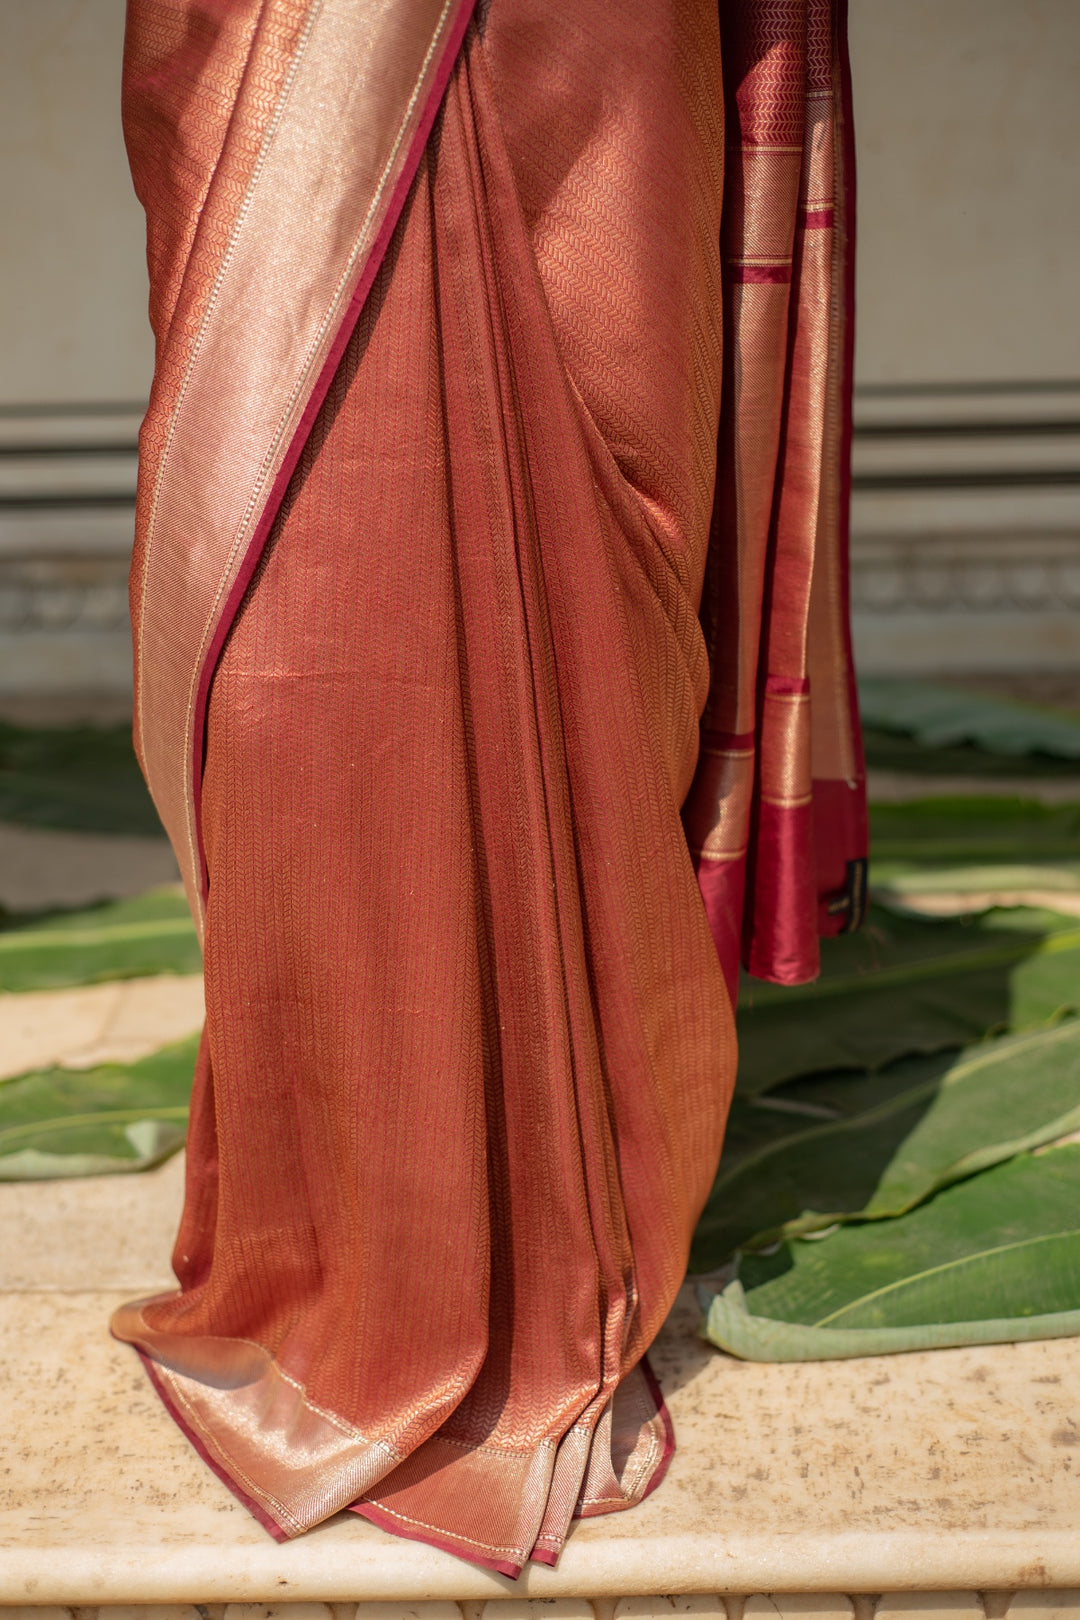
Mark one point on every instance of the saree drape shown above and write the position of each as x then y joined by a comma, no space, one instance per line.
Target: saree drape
496,447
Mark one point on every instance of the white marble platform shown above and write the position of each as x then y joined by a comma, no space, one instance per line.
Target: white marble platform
949,1472
116,1022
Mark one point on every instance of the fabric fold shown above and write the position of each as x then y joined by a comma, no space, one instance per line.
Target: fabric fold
469,1043
776,816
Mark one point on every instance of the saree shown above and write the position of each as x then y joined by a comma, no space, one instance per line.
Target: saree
490,545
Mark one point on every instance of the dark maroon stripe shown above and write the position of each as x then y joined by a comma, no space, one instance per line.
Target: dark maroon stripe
460,1549
669,1428
774,275
786,685
728,739
668,1449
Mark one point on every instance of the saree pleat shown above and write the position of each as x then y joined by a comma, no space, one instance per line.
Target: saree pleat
469,1042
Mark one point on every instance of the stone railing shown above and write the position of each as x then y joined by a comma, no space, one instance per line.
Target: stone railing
965,526
67,504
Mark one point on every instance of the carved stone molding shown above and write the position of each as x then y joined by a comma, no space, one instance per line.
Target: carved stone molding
1027,1605
966,572
966,528
965,533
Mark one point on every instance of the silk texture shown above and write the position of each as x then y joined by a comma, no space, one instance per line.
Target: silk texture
469,1041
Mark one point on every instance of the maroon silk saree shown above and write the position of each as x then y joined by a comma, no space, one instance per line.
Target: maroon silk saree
490,616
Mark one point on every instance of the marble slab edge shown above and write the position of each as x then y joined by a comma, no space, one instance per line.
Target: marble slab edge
331,1567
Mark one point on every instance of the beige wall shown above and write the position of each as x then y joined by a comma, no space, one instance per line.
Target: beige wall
968,122
968,116
72,271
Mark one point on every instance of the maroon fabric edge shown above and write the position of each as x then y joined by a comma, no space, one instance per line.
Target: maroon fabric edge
839,838
384,1521
669,1428
253,1507
658,1473
847,146
841,824
257,544
722,886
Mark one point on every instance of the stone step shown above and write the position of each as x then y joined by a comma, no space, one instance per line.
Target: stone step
1048,1605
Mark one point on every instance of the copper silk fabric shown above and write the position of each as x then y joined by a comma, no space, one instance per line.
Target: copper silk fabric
421,690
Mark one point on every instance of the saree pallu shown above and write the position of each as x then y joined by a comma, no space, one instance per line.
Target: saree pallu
430,503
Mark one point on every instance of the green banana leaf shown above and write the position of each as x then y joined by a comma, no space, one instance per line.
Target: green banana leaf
959,831
82,778
990,1259
909,984
963,890
940,716
1063,877
892,751
113,1119
123,939
892,1139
